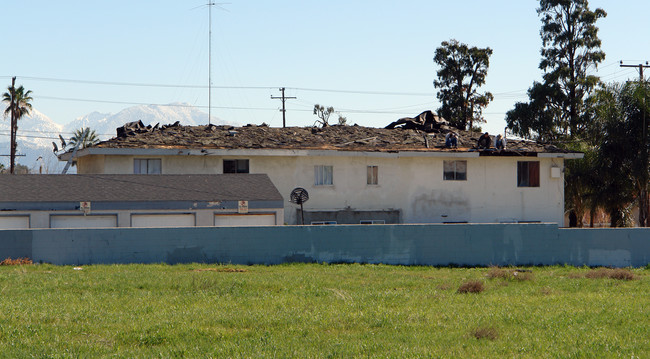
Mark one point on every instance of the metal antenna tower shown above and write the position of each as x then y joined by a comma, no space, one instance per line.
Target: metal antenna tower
210,5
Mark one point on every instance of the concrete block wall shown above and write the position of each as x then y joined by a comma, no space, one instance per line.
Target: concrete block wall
426,244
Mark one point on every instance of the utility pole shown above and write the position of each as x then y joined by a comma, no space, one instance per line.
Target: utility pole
12,153
644,206
284,111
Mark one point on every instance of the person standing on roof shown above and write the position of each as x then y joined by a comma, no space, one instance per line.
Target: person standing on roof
500,142
484,141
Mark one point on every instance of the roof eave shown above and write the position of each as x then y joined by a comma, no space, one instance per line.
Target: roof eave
292,152
566,156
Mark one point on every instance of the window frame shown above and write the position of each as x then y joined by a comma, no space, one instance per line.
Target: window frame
236,162
527,170
455,174
372,221
323,223
149,167
322,175
372,175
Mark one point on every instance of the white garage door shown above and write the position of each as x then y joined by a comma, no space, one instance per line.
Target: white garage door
102,221
14,222
163,220
266,219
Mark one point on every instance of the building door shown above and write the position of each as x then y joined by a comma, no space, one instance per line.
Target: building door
81,221
14,222
250,219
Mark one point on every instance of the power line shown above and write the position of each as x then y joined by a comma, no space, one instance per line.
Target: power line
198,106
138,84
149,104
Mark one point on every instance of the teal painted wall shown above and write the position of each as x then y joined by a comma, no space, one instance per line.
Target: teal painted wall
427,244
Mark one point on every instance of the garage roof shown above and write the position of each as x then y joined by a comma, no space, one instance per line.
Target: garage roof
137,188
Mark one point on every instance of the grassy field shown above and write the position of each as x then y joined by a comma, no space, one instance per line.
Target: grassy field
321,311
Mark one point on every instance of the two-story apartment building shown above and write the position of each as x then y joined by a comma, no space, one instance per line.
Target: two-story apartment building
355,174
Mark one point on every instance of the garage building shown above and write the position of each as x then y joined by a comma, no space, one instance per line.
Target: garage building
104,200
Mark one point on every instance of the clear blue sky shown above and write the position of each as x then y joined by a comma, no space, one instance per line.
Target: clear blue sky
374,58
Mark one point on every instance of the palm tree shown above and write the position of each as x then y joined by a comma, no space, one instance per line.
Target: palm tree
85,139
18,105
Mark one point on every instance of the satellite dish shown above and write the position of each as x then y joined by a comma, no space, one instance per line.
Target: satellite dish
299,196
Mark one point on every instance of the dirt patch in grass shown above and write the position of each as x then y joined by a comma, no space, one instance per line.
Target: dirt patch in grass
510,274
225,270
485,333
16,262
611,273
472,286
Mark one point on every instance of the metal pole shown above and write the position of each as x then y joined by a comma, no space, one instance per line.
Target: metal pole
644,205
210,64
302,215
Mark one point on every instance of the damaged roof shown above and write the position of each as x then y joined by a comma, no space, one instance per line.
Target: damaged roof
340,138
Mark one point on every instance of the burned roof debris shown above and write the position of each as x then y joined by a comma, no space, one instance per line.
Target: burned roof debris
425,132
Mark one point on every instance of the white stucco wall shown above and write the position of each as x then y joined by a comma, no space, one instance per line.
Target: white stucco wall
412,183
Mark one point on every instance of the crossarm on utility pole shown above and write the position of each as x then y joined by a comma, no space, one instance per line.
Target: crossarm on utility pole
284,111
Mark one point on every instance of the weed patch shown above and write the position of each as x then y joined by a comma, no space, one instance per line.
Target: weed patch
224,270
546,291
617,273
510,274
485,333
16,262
472,286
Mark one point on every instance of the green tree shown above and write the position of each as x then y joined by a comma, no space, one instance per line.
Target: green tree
570,47
536,118
463,70
18,105
619,174
85,137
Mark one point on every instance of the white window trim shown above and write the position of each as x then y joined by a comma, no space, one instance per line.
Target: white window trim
455,162
148,160
321,175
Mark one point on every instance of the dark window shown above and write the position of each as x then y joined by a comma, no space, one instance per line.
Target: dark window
235,166
147,166
528,174
455,170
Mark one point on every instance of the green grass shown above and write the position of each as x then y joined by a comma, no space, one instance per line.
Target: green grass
320,311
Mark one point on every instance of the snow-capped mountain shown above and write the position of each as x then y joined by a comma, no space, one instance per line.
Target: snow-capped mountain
36,131
105,124
35,135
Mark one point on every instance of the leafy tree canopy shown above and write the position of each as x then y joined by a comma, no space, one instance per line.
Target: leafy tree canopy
570,47
463,70
18,100
85,137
